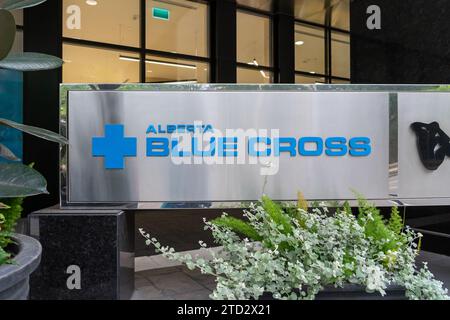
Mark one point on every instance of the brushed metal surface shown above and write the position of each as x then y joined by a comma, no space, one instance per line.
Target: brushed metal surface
296,113
415,181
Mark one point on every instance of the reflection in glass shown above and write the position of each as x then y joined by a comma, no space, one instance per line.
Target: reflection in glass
302,79
253,39
340,53
309,49
165,70
112,21
265,5
84,64
311,10
340,15
316,11
249,76
178,26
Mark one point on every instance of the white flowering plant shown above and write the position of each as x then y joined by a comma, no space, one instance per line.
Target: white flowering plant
294,252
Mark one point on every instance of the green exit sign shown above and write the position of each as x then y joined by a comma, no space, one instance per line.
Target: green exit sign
160,13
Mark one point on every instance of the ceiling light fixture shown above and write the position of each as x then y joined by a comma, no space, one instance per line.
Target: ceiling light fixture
170,64
299,43
183,82
255,63
162,63
264,74
91,2
128,59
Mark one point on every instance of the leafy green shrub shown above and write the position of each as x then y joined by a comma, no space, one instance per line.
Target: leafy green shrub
13,213
8,220
377,229
4,256
239,226
295,252
395,223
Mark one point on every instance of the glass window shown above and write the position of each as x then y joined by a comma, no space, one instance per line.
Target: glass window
316,11
165,70
312,10
309,49
340,15
84,64
265,5
177,26
253,39
340,55
112,21
301,79
246,75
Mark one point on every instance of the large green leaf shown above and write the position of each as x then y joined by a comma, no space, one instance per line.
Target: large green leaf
7,32
3,206
19,4
7,154
20,181
38,132
29,61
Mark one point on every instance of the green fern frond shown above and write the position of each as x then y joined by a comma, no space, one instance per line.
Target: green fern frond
347,208
376,227
395,223
238,226
277,215
4,256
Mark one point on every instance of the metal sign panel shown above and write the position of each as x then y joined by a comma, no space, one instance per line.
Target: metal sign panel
328,144
424,121
169,146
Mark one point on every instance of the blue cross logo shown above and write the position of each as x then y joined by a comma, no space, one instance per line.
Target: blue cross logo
114,147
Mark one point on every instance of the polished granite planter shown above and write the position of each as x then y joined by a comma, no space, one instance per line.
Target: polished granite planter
87,254
14,278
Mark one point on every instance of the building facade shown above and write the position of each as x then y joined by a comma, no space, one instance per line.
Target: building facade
228,41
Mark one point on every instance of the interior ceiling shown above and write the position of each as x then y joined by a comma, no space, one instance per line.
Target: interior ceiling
111,21
186,30
315,11
310,10
265,5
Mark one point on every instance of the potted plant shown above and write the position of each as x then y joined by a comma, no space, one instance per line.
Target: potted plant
295,252
19,254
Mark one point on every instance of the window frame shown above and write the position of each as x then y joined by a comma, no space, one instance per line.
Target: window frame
265,14
142,50
328,29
